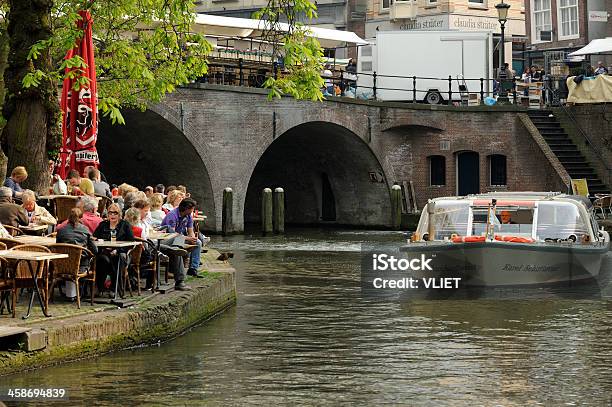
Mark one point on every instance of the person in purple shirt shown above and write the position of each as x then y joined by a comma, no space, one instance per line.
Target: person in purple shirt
180,220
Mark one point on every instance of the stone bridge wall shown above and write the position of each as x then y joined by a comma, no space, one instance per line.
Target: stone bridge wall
212,137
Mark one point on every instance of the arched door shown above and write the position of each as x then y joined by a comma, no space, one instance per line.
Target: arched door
468,173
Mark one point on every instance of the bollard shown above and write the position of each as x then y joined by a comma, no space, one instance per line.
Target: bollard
431,230
266,211
279,210
396,207
226,214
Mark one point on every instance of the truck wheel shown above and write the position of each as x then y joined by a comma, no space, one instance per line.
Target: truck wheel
433,97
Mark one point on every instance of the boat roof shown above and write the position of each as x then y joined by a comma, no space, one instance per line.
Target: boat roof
507,197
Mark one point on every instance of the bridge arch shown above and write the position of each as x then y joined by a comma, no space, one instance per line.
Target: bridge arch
329,174
151,149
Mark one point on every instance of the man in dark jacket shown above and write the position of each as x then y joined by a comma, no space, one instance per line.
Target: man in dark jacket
11,214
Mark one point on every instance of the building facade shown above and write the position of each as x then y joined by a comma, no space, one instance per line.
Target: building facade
462,15
557,27
334,14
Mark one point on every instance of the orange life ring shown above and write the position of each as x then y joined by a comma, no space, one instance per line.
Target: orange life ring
514,239
468,239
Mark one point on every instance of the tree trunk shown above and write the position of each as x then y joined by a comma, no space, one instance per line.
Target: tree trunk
4,47
32,128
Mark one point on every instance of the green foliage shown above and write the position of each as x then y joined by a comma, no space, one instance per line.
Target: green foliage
302,55
145,49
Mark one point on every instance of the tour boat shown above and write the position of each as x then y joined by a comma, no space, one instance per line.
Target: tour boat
512,238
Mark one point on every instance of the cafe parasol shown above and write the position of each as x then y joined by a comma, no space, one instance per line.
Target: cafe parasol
79,104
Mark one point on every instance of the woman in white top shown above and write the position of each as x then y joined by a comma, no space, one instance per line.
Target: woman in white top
174,199
157,215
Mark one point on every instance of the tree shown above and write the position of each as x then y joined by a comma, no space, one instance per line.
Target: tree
144,49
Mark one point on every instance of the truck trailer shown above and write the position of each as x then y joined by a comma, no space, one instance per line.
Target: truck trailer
396,57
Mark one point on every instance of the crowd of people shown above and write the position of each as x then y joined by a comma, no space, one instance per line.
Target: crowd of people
133,215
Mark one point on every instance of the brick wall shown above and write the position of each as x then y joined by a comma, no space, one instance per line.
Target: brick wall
556,43
214,137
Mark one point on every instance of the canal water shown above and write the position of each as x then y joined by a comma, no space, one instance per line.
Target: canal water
302,333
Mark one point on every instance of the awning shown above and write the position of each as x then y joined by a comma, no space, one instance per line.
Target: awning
598,46
212,25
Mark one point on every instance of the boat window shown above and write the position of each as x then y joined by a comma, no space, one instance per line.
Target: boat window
560,220
450,217
512,221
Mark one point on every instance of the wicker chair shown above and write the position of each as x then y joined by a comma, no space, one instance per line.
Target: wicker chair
63,205
22,276
6,285
9,243
103,203
135,262
68,269
134,256
13,230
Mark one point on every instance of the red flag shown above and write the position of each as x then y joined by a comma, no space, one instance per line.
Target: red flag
80,107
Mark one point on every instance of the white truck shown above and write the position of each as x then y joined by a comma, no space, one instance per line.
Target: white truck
432,56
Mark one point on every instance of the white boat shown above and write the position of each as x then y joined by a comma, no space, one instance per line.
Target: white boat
514,238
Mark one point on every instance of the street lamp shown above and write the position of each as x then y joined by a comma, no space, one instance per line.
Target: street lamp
502,17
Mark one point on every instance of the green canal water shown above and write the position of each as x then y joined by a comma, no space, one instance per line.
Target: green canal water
303,334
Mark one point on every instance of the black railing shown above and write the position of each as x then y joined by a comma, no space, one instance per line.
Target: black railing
341,83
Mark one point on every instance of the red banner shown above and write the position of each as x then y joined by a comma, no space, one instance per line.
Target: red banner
80,107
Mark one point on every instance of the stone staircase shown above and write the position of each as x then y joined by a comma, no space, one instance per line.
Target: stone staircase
576,165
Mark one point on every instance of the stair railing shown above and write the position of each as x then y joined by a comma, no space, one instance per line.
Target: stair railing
583,134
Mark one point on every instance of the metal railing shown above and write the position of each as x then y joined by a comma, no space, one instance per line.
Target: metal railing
570,115
416,89
452,86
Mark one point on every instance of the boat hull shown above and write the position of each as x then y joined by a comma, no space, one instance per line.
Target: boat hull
506,264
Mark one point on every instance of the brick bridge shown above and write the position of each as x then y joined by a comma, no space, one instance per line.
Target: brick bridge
335,159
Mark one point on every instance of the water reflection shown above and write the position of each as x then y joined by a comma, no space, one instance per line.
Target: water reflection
302,333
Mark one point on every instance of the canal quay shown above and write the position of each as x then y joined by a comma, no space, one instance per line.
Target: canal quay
93,330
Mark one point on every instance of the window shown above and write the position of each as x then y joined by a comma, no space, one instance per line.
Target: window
437,170
477,3
568,19
541,20
497,165
385,4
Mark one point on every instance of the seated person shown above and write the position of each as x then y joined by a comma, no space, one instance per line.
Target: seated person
90,218
18,175
506,218
174,199
100,187
157,214
179,220
36,214
80,186
106,266
11,214
132,216
76,233
4,234
144,222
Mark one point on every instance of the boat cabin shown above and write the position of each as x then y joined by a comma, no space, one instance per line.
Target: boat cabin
520,219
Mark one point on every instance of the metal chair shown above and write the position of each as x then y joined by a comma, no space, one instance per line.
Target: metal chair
604,204
71,269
